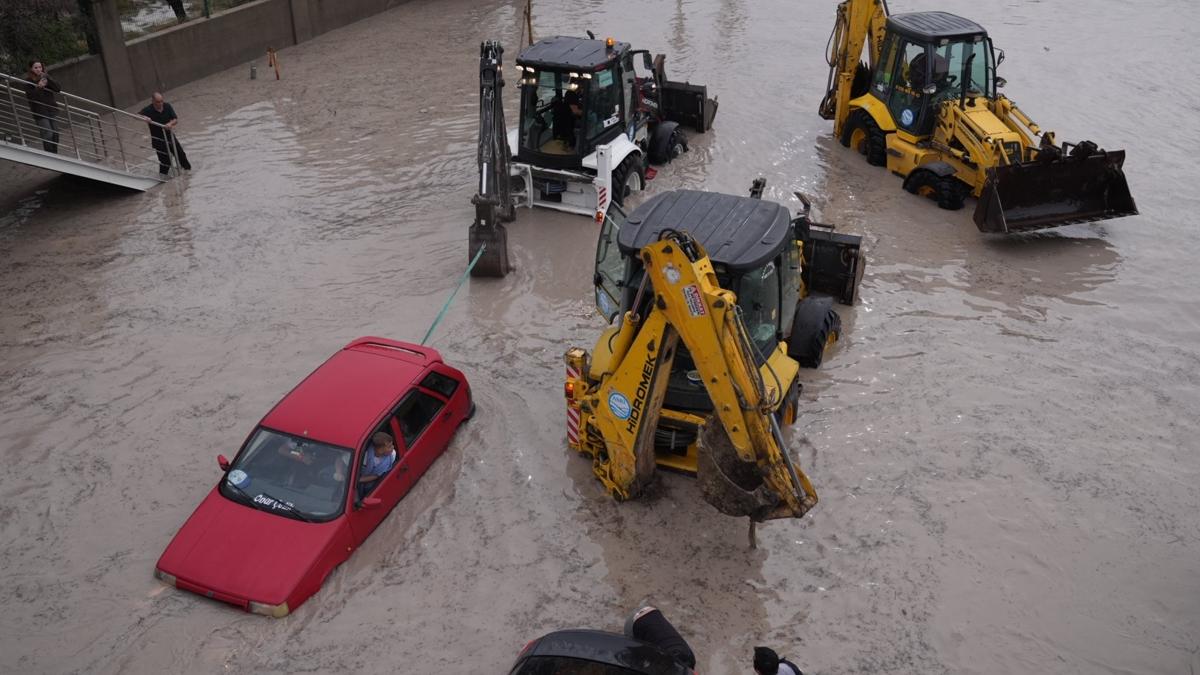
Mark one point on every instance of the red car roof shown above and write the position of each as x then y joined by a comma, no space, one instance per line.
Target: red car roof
341,400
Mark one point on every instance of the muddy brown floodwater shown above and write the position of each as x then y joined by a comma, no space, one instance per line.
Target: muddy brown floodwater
1005,444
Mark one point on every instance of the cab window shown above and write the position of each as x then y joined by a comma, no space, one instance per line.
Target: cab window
415,413
906,99
887,65
758,297
604,102
610,266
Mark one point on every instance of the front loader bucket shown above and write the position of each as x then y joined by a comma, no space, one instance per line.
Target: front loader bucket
1036,195
733,487
689,105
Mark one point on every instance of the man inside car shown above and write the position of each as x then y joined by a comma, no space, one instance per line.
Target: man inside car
377,461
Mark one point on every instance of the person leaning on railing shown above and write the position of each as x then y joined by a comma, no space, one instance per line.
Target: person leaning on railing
40,90
161,137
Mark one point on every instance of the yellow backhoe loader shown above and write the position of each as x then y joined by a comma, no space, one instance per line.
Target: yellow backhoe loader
926,106
699,366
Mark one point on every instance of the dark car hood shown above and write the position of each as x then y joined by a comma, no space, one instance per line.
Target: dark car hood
236,550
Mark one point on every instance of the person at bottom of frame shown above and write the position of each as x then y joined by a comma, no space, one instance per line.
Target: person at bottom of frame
767,662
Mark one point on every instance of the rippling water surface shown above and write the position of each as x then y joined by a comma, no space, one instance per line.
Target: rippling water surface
1005,444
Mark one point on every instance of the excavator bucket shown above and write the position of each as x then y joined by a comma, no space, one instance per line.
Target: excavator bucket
733,487
1036,195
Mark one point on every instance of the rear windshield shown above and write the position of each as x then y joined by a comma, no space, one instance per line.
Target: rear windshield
289,476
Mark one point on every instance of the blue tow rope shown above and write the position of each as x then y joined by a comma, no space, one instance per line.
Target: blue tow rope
453,293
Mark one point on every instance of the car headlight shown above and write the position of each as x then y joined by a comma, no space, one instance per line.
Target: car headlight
162,576
276,611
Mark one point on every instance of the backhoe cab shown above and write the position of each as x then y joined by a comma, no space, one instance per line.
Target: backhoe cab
594,115
928,108
730,279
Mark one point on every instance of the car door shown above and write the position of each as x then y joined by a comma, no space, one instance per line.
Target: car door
426,425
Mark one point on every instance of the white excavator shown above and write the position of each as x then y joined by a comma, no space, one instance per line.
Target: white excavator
595,114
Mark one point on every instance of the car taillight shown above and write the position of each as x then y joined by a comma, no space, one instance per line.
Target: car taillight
526,648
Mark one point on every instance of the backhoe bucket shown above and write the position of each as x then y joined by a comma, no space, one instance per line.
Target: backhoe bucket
1036,195
733,487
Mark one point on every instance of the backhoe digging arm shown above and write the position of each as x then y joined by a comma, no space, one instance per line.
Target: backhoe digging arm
493,203
743,467
858,23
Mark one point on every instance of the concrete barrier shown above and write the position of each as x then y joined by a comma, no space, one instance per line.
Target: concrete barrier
202,46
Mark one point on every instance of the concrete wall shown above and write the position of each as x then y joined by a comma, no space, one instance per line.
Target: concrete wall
201,47
84,77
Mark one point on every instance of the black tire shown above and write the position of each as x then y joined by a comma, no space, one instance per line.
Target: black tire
950,193
667,143
622,179
874,142
814,323
786,413
947,191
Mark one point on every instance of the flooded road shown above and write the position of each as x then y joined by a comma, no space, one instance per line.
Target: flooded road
1005,445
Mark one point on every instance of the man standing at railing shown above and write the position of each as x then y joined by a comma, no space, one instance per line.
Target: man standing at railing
40,90
162,113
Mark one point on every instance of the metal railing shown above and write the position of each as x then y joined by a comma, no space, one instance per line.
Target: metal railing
87,131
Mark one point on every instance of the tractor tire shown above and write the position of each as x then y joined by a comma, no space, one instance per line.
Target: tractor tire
950,193
947,191
627,179
789,408
668,142
815,322
865,136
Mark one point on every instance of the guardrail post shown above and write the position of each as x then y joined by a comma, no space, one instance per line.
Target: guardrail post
16,116
71,126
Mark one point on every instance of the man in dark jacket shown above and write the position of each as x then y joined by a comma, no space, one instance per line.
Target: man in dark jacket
40,90
161,137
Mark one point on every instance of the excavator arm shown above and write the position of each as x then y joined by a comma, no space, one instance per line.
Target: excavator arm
494,201
858,23
743,468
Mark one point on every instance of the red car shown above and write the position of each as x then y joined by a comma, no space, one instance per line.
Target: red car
283,516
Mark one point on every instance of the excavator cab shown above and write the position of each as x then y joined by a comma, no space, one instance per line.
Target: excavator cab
573,99
928,59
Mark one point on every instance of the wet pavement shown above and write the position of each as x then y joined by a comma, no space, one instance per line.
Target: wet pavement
1004,445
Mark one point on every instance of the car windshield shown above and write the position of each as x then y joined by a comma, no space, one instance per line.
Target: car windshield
289,476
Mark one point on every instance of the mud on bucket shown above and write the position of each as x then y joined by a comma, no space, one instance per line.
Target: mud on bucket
732,486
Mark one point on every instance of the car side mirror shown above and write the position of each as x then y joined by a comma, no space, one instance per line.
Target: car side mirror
223,462
370,503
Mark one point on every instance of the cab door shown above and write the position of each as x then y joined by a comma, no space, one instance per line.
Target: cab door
388,490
